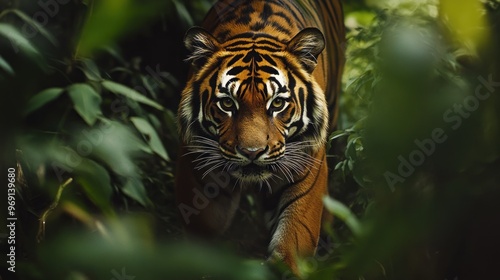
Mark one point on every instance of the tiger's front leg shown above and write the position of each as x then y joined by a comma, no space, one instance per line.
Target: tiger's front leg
298,223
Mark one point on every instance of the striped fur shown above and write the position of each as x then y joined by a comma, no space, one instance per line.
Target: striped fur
257,108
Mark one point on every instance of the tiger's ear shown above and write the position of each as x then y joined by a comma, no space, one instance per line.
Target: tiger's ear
307,45
201,45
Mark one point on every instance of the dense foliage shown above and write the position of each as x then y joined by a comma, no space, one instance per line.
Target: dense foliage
89,96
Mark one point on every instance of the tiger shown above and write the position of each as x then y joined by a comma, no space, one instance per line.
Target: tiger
260,100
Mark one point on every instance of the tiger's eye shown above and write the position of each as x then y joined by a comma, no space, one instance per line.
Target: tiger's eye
227,103
278,103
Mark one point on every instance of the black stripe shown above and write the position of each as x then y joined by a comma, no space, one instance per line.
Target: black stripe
282,15
222,35
292,83
290,115
245,14
243,88
239,43
212,113
300,123
291,185
205,95
232,80
311,235
243,36
282,132
252,44
195,100
298,196
222,132
213,81
310,101
281,28
223,89
273,200
236,70
269,49
212,70
257,37
197,129
228,17
258,26
269,69
264,41
285,5
234,60
287,64
222,8
269,59
281,88
266,12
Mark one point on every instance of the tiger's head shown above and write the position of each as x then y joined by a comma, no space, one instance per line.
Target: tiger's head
252,106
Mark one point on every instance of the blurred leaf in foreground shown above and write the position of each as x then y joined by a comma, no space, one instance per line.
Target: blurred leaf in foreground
466,19
42,98
130,93
152,137
114,144
86,102
127,246
111,19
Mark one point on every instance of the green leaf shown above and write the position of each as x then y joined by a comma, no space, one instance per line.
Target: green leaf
18,41
86,102
113,51
90,69
116,145
96,182
152,137
36,25
42,98
134,189
155,122
341,167
183,13
337,134
353,147
130,93
6,66
150,84
341,211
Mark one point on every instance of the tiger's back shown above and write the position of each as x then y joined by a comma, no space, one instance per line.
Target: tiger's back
255,113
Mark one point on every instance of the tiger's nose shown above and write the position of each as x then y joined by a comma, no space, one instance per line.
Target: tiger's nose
251,152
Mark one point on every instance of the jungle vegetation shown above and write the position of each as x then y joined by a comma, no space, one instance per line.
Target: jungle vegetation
89,92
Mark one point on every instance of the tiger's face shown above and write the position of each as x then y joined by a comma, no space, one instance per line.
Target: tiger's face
252,106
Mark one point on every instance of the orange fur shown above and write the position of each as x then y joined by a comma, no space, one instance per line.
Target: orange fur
256,112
